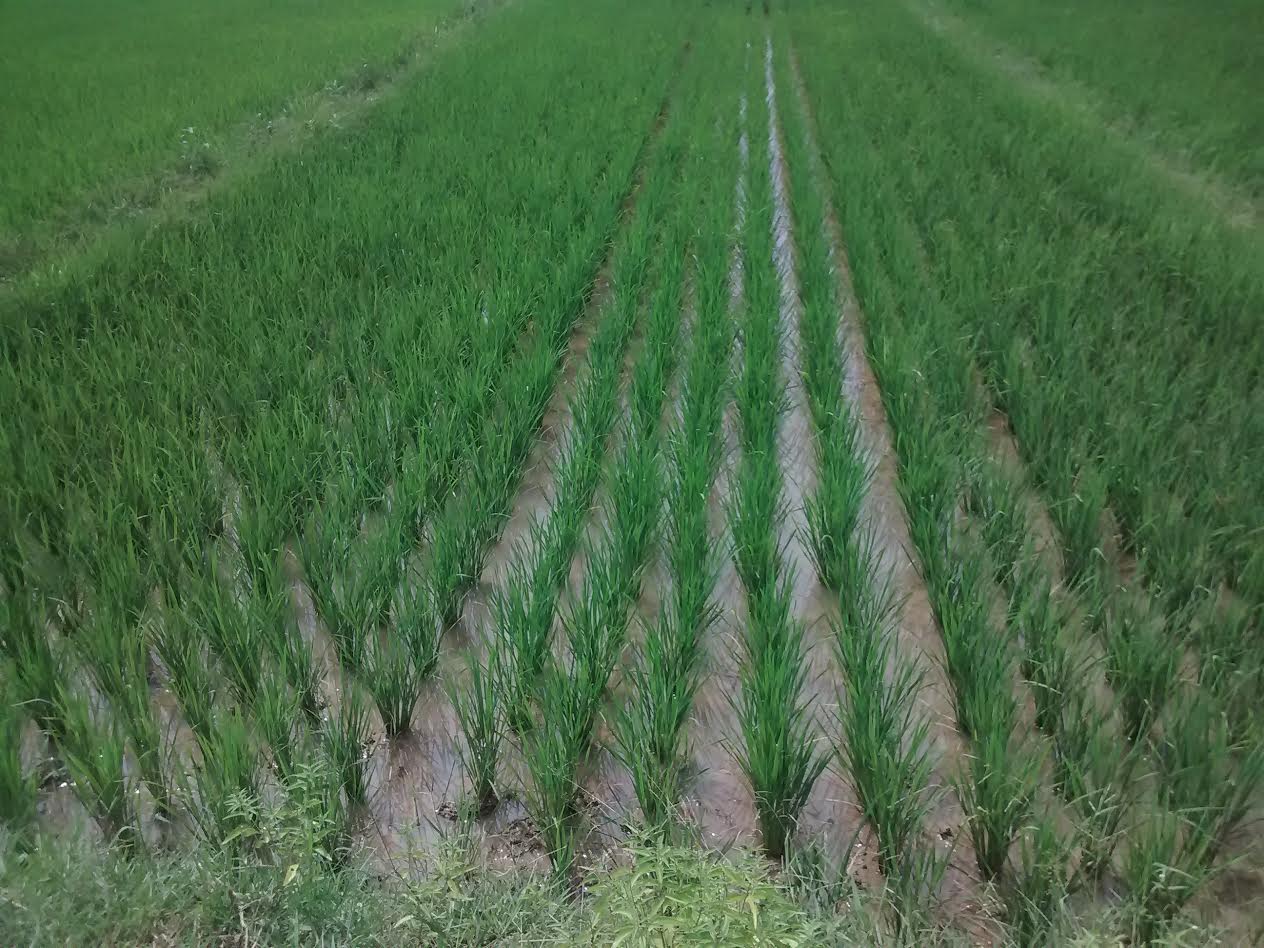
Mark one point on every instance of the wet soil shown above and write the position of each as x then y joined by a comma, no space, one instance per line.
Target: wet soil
832,816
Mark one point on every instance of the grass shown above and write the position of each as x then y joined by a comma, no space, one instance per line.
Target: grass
113,128
1159,98
60,895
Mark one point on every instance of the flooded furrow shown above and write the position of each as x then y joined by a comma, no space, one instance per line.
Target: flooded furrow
718,800
832,815
917,635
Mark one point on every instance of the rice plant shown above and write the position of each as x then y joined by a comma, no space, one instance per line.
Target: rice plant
225,787
997,794
39,670
1142,663
188,671
478,705
93,749
17,787
885,742
1203,776
553,748
393,678
648,729
1163,868
347,744
1037,888
276,712
1095,776
116,656
1047,661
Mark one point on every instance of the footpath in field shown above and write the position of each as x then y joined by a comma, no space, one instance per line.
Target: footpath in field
78,207
1235,206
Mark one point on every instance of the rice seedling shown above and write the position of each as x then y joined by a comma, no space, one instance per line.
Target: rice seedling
1037,888
93,752
886,747
352,580
18,791
276,712
233,628
1096,779
393,678
1047,661
1163,868
225,787
1231,662
778,754
1142,664
478,705
39,671
1203,776
188,670
347,744
115,650
998,797
552,749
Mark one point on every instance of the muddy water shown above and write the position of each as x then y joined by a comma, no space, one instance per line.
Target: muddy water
832,816
916,630
717,800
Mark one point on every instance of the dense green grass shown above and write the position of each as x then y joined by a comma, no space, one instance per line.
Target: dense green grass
96,97
1187,74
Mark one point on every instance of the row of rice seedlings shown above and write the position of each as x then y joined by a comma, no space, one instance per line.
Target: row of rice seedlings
778,753
664,677
1091,775
998,786
479,703
524,608
884,742
571,695
1092,764
596,622
650,725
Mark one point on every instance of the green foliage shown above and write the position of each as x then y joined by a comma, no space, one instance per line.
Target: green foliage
682,896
